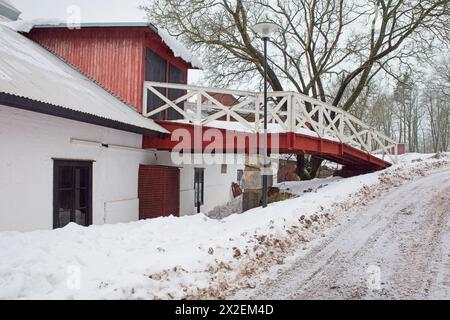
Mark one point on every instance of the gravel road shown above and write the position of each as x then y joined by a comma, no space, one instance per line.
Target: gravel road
397,247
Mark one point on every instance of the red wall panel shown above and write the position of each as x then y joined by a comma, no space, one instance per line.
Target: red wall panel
114,57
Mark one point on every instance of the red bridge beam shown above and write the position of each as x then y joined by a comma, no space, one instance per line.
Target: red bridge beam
197,139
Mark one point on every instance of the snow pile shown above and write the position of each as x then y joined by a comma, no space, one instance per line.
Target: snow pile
301,187
187,257
179,49
232,207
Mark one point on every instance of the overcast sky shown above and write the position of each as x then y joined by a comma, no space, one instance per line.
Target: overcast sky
91,10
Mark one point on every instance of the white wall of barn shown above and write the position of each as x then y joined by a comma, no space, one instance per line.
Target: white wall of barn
30,141
217,185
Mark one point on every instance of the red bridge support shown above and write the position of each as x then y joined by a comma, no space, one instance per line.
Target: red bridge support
195,139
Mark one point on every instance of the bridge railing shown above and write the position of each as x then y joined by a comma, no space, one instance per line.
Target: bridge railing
289,111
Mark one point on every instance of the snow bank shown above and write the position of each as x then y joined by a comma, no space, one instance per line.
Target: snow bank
301,187
168,257
414,157
232,207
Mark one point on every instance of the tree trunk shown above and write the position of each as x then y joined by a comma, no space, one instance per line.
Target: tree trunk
310,172
315,166
301,168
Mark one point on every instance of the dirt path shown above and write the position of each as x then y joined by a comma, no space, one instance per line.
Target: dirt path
396,248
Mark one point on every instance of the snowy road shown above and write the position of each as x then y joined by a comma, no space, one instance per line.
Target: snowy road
402,239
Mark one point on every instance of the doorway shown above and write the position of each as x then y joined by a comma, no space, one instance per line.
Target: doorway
72,193
199,187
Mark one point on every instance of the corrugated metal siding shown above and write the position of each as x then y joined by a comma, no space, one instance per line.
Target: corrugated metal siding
158,191
114,57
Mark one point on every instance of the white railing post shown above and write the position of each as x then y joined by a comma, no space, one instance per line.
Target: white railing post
321,121
369,140
396,153
144,99
341,127
290,114
257,99
198,113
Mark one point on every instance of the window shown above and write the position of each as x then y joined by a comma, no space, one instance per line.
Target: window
199,181
156,70
72,193
223,169
175,76
240,180
160,70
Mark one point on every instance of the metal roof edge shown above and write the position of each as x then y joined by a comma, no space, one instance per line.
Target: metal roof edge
29,104
8,12
99,25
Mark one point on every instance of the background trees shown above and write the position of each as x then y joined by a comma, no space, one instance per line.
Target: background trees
331,50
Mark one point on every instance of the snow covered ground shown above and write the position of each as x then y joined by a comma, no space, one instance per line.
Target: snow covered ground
191,256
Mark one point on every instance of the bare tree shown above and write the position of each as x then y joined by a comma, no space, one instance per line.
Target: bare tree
438,111
375,106
436,99
327,49
408,112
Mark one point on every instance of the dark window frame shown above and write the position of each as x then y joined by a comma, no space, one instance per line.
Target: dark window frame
156,69
73,164
240,178
199,180
171,74
175,75
223,168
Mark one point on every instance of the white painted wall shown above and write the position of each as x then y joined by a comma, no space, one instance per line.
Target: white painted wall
217,189
29,141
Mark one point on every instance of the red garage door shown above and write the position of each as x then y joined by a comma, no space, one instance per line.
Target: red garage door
158,191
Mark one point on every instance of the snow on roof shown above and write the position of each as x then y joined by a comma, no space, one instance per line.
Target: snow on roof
7,11
179,50
30,71
26,25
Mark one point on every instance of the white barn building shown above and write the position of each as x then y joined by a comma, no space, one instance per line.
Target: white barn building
72,152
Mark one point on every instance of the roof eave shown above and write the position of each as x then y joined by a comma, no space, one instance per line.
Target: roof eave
28,104
100,25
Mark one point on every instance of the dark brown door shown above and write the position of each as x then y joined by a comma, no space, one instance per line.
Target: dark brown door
158,191
72,193
199,187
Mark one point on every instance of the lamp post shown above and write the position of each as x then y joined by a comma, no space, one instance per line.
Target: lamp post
264,30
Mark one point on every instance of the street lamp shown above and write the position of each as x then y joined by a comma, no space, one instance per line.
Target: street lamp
264,30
